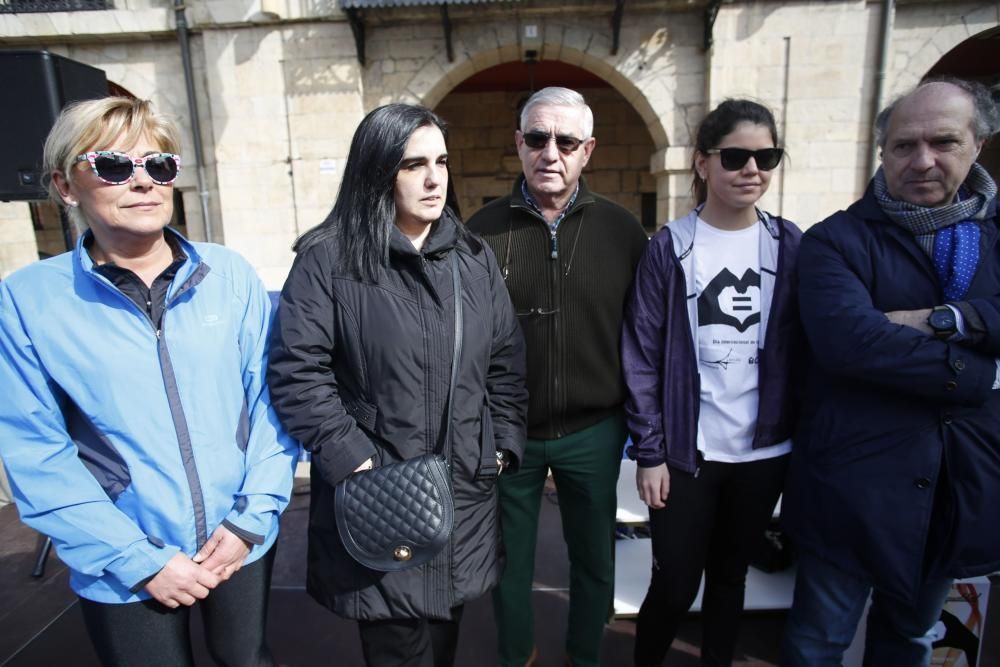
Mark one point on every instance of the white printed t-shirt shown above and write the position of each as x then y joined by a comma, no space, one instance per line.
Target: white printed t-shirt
727,285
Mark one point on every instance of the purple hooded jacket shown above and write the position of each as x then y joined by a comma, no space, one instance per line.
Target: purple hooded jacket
659,356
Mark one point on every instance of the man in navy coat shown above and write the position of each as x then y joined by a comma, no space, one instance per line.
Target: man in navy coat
894,489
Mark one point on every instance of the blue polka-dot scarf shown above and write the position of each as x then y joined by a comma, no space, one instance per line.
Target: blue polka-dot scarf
949,234
956,255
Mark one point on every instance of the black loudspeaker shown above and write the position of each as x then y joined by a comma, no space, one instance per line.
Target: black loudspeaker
36,85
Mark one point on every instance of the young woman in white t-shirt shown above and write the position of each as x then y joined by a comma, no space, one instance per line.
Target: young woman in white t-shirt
710,344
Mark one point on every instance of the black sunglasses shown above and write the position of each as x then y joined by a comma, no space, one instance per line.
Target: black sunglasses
116,168
733,159
565,143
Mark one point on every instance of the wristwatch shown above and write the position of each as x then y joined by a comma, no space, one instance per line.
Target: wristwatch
942,322
503,459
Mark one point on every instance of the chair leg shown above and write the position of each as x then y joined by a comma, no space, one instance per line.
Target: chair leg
43,555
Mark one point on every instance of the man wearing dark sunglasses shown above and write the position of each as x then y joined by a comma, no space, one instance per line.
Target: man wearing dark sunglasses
568,257
894,488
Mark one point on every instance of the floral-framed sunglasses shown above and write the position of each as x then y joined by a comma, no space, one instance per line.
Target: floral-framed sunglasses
116,168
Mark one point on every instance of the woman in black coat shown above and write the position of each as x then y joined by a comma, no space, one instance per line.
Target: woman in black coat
360,369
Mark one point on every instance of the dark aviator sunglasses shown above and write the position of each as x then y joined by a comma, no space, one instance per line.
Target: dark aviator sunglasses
116,168
734,159
565,143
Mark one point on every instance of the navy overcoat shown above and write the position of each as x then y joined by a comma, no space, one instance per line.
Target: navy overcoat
893,416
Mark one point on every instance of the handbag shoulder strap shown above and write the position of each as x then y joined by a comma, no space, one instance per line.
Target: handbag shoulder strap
456,282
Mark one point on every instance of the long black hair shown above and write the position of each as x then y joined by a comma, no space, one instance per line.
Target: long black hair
722,120
364,214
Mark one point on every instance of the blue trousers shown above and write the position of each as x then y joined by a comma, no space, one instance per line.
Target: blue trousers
828,605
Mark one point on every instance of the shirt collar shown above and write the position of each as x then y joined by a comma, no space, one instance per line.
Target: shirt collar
175,248
530,200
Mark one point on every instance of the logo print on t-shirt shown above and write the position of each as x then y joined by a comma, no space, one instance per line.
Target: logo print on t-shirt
722,363
731,301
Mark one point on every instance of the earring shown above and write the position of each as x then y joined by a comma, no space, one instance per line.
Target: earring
72,203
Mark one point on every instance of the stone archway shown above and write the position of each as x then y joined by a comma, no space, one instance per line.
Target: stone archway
975,58
664,91
435,92
482,115
924,34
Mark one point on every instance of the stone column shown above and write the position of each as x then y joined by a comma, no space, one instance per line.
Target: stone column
17,238
672,169
17,249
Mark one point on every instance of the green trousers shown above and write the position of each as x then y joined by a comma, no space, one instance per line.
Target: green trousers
585,467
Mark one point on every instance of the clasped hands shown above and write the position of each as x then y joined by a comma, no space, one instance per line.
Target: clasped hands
184,580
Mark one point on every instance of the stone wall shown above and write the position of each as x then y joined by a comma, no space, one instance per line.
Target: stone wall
17,238
814,64
658,70
814,74
280,93
48,230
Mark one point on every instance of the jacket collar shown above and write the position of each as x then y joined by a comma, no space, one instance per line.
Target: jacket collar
583,198
192,264
682,229
867,207
442,238
189,275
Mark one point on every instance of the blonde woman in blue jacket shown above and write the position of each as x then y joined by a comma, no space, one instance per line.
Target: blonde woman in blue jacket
136,427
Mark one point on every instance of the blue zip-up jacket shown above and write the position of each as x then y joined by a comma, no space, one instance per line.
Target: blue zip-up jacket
125,444
660,359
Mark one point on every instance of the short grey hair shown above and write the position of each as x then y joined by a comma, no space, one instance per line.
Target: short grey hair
985,122
560,97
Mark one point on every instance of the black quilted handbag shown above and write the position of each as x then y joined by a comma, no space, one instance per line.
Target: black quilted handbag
400,515
397,516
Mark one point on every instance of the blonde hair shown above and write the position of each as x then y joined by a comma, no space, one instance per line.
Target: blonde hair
93,125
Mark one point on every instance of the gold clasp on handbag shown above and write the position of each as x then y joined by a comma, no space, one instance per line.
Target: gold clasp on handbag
402,553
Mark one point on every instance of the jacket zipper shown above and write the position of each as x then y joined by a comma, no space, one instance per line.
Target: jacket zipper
555,403
693,460
197,497
438,588
101,280
177,414
422,268
778,285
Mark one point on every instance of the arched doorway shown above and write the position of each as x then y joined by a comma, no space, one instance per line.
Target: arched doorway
976,59
482,113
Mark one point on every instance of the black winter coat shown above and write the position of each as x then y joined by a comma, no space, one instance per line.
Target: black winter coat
361,370
893,416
